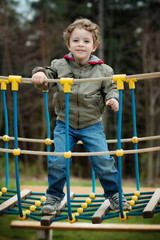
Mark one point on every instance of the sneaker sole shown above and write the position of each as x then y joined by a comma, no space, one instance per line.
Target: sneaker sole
118,210
48,213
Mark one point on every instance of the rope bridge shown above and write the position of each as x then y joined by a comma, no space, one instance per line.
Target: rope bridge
93,207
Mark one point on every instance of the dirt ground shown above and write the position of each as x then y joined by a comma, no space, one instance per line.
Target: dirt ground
84,190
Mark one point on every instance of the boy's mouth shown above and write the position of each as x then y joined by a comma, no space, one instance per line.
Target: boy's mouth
80,50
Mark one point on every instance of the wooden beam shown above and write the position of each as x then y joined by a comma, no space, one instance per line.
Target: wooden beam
46,220
10,202
148,210
97,217
87,226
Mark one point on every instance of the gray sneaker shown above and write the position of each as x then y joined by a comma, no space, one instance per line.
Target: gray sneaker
51,204
114,203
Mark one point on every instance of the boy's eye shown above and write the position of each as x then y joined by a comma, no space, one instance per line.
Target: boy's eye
86,41
75,40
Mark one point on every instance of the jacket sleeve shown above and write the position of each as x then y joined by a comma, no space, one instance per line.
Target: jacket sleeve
109,87
51,73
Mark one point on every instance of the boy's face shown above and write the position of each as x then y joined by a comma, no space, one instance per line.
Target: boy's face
81,45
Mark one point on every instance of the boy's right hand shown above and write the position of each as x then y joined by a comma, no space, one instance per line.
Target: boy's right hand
39,78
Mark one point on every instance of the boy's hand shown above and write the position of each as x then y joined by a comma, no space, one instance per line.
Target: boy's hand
39,77
113,103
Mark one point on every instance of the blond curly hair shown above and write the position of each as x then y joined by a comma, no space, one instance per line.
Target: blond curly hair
85,24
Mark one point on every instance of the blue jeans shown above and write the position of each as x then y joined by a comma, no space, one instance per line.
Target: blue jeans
94,140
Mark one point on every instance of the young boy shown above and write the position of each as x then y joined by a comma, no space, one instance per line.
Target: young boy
87,102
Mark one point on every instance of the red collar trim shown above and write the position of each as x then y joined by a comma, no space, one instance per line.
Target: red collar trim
70,58
91,62
99,62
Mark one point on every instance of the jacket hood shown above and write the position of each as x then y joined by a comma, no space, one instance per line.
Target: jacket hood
93,59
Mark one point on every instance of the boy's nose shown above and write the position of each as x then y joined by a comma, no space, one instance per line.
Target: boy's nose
81,43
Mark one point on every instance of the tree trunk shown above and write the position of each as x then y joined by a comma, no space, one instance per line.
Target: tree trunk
101,25
43,133
7,65
41,158
21,133
43,45
151,96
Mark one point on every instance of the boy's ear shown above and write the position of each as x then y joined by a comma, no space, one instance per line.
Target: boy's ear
95,47
68,46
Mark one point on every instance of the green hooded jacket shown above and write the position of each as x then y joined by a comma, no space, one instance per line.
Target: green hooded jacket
87,99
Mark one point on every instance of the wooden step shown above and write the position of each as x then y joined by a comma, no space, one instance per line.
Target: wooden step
46,220
10,202
97,217
148,210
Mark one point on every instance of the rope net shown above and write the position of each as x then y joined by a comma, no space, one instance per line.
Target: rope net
74,207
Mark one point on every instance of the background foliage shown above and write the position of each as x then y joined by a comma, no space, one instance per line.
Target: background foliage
31,35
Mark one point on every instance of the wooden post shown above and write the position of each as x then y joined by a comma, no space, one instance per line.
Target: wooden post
44,234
